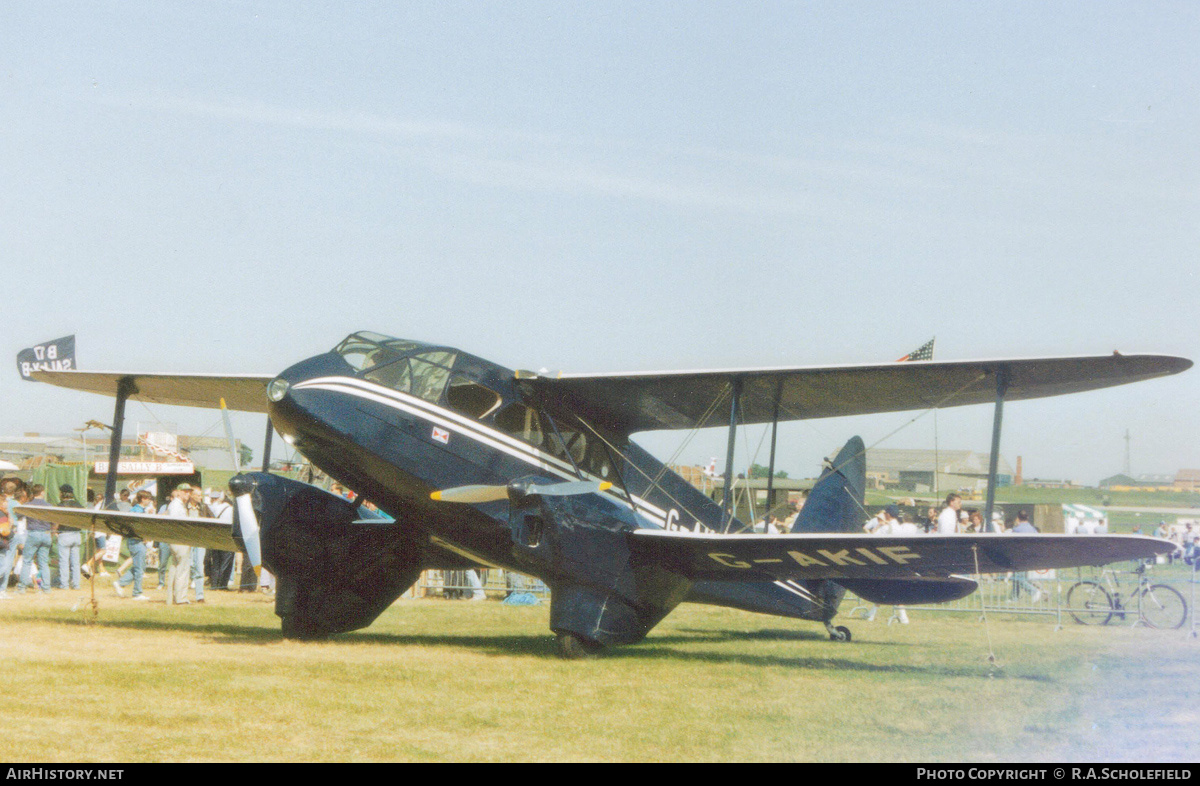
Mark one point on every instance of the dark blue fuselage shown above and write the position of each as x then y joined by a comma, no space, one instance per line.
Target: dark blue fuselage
394,437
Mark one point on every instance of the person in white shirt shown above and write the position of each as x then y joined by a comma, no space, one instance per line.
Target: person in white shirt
222,561
181,556
948,518
875,522
892,525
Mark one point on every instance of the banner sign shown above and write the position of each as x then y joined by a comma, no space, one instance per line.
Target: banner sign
56,355
148,468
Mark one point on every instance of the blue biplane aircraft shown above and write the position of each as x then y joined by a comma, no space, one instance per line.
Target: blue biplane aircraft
484,466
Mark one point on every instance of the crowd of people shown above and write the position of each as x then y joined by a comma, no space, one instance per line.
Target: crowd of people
26,541
1186,537
950,519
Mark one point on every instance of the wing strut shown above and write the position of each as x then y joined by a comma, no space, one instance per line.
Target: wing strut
125,389
1003,375
266,461
771,461
735,401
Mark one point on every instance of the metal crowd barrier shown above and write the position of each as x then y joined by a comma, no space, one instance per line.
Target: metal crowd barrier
456,584
997,594
1005,594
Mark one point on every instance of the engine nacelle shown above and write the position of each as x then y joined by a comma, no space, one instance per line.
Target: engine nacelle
579,545
333,573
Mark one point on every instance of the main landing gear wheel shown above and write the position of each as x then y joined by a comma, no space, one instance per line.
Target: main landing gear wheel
840,633
573,647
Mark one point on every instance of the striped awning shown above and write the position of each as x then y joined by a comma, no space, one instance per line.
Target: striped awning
1083,512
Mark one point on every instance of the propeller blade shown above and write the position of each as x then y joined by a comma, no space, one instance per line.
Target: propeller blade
229,437
242,488
569,488
471,494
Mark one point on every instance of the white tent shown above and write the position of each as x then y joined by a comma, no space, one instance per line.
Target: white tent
1084,520
7,466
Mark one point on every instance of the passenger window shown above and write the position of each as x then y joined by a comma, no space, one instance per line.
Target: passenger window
430,372
471,398
520,421
576,443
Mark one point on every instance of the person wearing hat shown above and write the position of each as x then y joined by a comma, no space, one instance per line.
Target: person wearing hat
891,517
181,556
69,541
220,562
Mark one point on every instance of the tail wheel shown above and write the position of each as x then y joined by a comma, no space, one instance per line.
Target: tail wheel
1163,607
575,647
840,633
1089,604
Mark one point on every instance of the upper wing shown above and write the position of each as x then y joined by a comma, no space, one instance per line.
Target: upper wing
207,533
853,556
246,392
676,400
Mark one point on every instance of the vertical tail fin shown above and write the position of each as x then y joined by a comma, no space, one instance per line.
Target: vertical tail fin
836,501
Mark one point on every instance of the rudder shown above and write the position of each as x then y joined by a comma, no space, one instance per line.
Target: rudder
836,501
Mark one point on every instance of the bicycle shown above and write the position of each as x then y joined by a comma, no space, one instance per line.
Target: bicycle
1095,603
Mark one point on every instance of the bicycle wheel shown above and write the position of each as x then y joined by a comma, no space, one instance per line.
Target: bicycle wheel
1163,607
1089,603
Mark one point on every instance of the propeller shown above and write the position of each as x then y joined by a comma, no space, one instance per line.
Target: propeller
241,487
470,494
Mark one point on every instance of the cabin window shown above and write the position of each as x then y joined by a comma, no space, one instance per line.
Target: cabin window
470,398
522,422
424,375
576,442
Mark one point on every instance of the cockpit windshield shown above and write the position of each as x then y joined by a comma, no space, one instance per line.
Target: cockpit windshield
367,350
407,366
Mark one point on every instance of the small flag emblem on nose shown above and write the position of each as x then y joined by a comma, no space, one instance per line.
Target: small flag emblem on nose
441,435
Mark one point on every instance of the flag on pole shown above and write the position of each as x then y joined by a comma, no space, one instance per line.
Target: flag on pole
56,355
924,352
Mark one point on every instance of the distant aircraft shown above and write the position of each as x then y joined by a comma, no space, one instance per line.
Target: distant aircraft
485,466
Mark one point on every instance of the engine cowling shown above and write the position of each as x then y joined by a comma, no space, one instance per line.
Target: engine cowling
334,573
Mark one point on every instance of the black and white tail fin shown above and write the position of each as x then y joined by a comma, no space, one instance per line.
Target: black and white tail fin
836,501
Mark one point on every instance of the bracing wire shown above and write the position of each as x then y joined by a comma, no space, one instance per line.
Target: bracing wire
903,426
988,631
727,390
653,481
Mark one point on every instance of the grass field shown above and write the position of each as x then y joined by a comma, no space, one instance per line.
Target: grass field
437,680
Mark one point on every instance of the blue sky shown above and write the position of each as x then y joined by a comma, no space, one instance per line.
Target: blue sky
232,187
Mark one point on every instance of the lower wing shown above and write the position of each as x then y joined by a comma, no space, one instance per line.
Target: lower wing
207,533
718,557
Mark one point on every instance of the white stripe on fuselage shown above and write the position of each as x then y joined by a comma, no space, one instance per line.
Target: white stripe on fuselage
470,428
